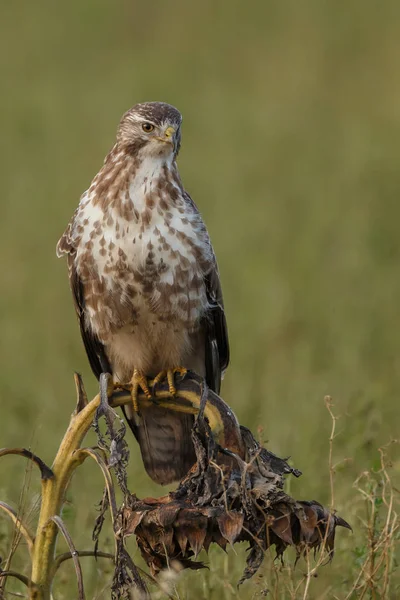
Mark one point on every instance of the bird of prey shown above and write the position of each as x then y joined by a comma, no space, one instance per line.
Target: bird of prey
145,281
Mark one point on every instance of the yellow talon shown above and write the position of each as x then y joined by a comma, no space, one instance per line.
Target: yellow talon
169,375
138,381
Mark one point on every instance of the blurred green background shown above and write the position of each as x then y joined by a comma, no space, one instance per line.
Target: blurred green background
291,148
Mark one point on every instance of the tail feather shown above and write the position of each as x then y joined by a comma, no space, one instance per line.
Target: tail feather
164,437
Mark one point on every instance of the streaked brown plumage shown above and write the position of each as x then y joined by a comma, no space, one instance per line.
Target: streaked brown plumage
145,280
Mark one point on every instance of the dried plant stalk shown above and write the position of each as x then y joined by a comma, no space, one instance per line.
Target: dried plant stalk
74,554
20,526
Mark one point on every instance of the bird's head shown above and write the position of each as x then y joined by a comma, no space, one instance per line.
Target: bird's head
151,127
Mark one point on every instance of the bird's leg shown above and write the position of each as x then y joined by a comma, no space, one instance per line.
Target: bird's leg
138,381
169,375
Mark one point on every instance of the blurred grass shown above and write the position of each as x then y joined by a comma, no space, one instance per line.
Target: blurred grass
291,148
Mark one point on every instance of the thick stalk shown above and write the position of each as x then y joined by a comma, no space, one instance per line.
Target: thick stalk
53,494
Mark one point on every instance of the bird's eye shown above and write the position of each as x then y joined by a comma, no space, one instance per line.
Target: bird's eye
148,127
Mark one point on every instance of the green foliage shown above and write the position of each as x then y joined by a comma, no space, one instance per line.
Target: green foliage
291,150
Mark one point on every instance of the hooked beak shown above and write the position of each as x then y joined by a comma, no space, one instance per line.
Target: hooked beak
168,137
169,133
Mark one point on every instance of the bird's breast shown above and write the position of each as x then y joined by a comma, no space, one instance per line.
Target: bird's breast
149,257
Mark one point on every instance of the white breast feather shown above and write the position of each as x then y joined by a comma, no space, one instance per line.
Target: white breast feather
142,185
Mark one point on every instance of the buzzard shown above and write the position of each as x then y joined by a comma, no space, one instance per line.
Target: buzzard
145,281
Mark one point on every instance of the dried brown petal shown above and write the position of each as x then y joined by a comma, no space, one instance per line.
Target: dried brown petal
181,538
281,527
207,541
230,525
308,522
132,522
196,536
166,514
220,540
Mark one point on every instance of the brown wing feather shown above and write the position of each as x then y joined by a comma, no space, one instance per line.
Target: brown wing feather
217,342
214,325
94,348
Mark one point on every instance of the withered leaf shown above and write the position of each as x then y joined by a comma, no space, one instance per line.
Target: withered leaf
254,561
342,523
